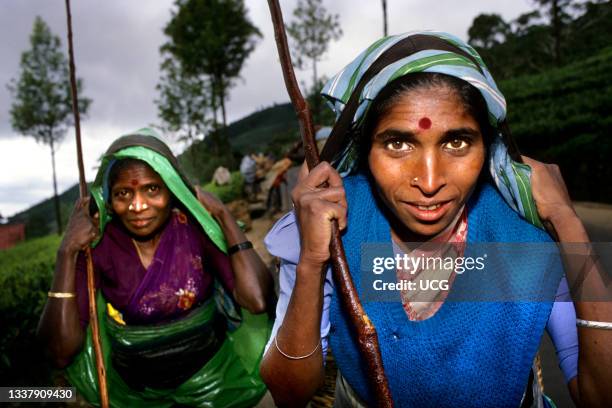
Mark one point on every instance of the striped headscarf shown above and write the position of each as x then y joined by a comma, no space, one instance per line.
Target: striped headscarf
351,92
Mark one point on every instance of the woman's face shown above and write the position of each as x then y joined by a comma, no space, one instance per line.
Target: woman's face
140,199
426,155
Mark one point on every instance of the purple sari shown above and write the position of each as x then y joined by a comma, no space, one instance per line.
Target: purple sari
180,276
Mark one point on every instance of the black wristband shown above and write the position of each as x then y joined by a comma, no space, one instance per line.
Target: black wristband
239,247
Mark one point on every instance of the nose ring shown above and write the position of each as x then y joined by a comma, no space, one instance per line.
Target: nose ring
414,180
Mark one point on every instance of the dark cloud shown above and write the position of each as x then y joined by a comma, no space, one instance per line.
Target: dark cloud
116,48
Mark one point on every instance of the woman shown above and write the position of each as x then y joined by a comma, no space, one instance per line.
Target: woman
168,271
422,144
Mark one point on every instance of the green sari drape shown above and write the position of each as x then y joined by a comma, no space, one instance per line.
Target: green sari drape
229,379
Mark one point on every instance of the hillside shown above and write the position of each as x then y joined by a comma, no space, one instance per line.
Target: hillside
564,115
271,130
40,218
259,129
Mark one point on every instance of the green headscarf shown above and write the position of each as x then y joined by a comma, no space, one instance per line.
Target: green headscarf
146,145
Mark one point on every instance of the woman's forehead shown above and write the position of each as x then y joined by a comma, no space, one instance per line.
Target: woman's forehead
136,173
425,110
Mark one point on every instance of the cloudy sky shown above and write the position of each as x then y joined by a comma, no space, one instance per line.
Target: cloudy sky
116,49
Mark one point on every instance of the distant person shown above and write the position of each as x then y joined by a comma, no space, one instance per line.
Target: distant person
421,156
169,264
275,180
248,169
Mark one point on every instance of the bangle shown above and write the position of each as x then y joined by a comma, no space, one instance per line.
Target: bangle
61,295
592,324
296,357
239,247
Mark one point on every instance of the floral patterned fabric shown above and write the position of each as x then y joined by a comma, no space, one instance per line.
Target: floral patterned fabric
180,276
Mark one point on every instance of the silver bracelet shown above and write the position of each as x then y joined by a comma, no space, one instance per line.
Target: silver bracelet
594,324
296,357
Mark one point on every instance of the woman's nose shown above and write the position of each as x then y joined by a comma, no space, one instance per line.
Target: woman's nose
138,204
428,173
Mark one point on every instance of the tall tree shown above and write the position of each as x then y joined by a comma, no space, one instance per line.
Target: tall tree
183,104
557,11
211,39
524,22
311,31
42,107
488,30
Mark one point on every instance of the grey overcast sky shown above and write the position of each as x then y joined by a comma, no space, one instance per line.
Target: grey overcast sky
116,49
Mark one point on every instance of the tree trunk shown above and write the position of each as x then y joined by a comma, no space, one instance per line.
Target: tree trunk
58,214
314,73
384,7
213,99
222,100
556,26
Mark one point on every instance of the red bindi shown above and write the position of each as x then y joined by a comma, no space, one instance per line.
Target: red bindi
425,123
134,183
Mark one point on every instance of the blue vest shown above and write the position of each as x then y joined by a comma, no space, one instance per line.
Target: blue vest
470,353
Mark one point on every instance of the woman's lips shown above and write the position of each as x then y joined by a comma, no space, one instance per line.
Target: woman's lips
428,212
141,222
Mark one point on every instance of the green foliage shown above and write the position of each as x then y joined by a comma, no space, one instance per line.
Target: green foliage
537,41
311,31
183,104
25,277
558,113
488,30
590,32
210,40
563,116
199,161
42,105
229,192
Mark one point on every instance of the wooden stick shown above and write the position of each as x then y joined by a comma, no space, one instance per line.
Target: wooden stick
91,289
363,327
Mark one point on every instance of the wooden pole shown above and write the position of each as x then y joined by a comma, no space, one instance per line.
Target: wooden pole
366,332
91,289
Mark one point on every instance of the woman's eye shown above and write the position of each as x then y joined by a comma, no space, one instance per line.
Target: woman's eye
153,189
456,144
397,145
121,193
